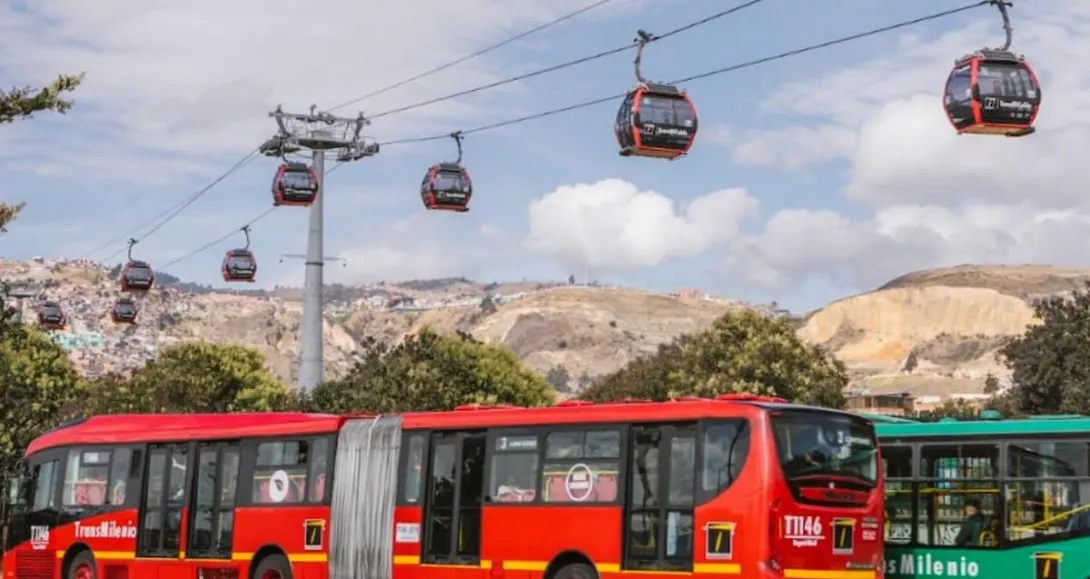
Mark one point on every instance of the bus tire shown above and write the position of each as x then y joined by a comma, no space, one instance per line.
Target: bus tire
82,567
576,571
273,567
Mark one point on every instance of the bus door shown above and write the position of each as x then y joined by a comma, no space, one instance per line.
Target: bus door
212,504
452,506
162,511
661,478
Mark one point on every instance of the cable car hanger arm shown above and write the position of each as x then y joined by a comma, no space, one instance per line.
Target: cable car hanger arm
643,38
246,230
132,243
457,136
1002,5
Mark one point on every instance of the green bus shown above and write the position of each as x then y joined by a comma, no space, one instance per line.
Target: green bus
991,498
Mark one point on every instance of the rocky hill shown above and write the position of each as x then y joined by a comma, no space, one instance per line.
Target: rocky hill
589,330
952,319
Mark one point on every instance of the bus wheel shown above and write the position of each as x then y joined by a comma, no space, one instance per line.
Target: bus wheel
273,567
576,571
82,567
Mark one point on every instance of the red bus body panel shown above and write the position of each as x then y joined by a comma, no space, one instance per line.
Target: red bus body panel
519,541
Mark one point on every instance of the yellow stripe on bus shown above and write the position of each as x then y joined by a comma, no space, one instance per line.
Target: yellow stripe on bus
698,568
829,574
130,556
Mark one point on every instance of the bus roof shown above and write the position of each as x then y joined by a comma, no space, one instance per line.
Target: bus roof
135,428
948,428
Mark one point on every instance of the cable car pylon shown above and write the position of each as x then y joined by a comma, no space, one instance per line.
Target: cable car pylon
322,134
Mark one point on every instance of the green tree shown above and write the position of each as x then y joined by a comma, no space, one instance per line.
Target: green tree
955,408
22,102
38,387
430,371
194,377
1050,362
991,384
742,352
645,378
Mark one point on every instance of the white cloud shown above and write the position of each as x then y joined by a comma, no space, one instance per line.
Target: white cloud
797,244
198,78
885,117
937,198
613,225
417,247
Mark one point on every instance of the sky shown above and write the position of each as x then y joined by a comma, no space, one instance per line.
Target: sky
812,177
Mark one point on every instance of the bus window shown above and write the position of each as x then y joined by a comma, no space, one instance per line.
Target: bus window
959,500
726,446
1046,496
120,468
581,466
319,469
86,477
280,475
514,469
412,468
44,479
897,461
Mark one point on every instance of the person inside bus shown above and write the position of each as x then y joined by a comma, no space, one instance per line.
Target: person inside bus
974,525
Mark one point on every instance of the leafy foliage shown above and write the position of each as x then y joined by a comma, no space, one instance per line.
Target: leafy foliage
742,351
1050,362
22,102
8,213
430,371
38,386
645,378
193,377
951,408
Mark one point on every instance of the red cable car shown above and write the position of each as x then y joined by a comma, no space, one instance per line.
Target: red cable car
295,184
51,316
125,311
655,120
240,264
136,276
447,186
993,91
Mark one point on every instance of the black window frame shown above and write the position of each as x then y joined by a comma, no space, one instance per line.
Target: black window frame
491,450
219,506
167,505
1002,480
249,468
404,455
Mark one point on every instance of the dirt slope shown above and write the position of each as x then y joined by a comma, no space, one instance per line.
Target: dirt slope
953,319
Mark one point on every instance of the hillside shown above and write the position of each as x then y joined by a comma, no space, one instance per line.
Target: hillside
953,319
589,330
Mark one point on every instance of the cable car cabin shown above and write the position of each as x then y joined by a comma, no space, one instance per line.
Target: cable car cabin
656,120
992,92
295,184
239,265
125,311
446,187
51,316
137,276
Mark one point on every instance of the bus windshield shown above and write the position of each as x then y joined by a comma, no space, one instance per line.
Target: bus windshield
825,444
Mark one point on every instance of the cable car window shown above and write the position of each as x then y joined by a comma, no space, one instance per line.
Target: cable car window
297,180
958,90
1005,80
448,182
239,261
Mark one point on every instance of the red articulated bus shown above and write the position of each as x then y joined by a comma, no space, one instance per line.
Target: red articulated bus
739,486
